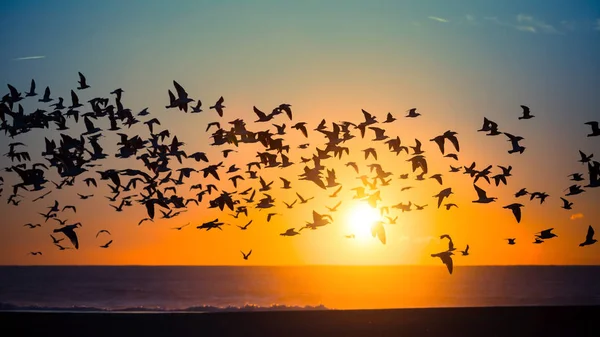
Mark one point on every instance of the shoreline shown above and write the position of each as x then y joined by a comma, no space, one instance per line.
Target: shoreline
460,321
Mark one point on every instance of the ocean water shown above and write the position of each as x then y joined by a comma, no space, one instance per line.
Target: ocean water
205,289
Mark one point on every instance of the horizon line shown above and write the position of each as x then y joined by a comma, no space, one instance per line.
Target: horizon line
292,265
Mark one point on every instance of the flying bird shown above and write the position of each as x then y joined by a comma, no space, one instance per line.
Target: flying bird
589,238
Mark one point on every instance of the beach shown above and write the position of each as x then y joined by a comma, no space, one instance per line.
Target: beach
484,321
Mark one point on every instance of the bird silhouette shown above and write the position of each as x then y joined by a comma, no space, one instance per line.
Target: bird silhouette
246,256
589,238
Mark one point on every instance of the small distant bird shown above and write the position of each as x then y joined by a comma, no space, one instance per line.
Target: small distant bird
511,241
290,232
270,215
82,82
595,129
181,227
35,253
589,238
566,204
246,256
465,252
546,234
218,107
526,113
102,231
412,113
106,244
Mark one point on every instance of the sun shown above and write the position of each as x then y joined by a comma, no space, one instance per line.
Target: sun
360,218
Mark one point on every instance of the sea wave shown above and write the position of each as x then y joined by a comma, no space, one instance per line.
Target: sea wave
197,309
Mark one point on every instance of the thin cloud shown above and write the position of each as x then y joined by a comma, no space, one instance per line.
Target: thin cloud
438,19
576,216
526,23
29,58
470,19
537,25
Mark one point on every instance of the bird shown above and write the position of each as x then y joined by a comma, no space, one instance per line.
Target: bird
290,232
218,107
589,238
246,256
566,204
595,129
546,234
181,227
82,82
526,112
446,258
412,113
483,198
511,241
245,226
69,232
106,245
465,252
102,231
445,193
516,210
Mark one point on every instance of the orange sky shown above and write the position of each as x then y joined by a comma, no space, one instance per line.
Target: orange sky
455,77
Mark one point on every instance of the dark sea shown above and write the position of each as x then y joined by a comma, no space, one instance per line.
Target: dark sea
209,289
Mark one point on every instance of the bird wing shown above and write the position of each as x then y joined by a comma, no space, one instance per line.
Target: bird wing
70,233
590,234
480,192
517,213
454,142
447,259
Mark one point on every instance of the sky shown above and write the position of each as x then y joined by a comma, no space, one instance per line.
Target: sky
456,62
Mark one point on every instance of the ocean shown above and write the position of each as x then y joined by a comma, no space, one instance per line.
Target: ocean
224,288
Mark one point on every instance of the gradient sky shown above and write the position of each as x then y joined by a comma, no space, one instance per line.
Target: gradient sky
455,61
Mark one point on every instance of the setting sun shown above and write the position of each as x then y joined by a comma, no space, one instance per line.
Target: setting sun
360,218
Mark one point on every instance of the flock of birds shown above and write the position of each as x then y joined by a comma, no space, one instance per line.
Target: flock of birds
157,186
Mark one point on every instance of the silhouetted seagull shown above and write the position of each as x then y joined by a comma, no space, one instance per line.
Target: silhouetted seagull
466,251
483,198
69,231
595,129
526,113
511,241
246,256
413,113
516,209
290,232
589,238
446,258
546,234
106,245
566,204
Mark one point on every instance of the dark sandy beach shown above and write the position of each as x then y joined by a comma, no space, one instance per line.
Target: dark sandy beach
497,321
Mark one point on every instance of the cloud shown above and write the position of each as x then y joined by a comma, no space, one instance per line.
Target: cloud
29,58
526,23
576,216
438,19
537,25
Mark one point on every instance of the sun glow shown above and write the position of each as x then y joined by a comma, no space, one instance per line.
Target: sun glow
360,219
